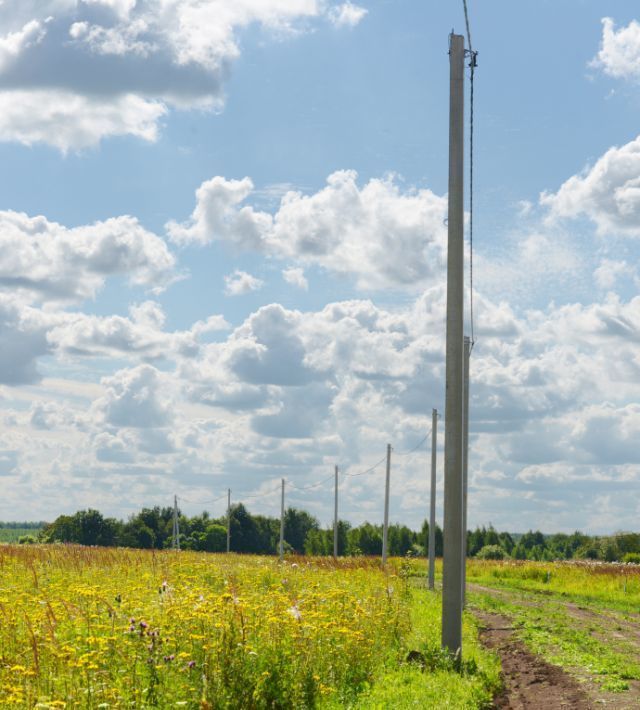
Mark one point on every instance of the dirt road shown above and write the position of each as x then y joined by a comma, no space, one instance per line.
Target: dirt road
531,682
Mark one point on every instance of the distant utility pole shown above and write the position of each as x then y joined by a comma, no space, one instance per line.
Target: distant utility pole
432,507
385,529
281,548
228,519
176,524
452,559
335,517
465,461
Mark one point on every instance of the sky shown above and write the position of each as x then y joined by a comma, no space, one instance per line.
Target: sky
223,257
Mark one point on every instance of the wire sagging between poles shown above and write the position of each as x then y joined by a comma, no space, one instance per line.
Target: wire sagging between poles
473,63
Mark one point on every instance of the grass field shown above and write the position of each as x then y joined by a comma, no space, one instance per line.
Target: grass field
14,534
113,628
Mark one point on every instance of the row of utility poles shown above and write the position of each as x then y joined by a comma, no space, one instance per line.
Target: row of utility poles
458,349
385,528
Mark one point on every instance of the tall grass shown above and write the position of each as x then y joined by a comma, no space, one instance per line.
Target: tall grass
111,628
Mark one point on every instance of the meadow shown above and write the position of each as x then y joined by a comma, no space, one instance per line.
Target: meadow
116,628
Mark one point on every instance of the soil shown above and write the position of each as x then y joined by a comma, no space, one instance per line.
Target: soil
529,681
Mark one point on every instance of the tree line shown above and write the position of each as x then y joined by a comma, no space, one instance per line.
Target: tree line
152,528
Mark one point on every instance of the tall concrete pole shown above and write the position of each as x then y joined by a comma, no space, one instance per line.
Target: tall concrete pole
335,517
281,546
432,507
228,519
465,461
385,529
176,524
452,561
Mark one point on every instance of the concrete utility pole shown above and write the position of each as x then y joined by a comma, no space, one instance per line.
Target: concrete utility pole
335,518
176,524
281,547
465,461
452,562
228,519
432,507
385,529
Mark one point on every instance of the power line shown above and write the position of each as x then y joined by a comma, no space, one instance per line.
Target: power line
198,502
369,470
312,485
258,495
466,19
417,446
473,63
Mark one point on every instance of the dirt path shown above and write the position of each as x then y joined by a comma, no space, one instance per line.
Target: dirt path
529,681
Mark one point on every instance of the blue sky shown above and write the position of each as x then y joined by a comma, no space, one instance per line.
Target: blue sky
224,254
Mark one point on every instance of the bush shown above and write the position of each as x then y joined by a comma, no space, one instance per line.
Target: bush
491,552
633,557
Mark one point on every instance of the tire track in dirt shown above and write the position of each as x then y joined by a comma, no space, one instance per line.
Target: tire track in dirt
529,681
526,676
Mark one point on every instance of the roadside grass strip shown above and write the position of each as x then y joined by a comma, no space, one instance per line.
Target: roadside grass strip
431,680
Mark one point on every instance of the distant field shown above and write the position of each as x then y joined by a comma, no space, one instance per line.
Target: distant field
14,534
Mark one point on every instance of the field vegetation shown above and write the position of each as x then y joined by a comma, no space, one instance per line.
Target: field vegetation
579,615
116,628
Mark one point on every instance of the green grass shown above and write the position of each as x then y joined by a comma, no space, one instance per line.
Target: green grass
607,587
14,534
438,684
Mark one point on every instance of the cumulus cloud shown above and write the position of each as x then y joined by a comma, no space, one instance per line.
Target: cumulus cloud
23,333
610,271
240,282
607,192
47,261
139,397
140,335
295,277
90,69
554,403
382,235
619,54
346,15
72,121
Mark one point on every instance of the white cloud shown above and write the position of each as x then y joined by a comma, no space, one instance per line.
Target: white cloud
13,43
140,397
611,271
23,335
619,54
47,261
69,121
240,282
288,392
74,72
141,335
382,235
295,277
608,192
346,15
